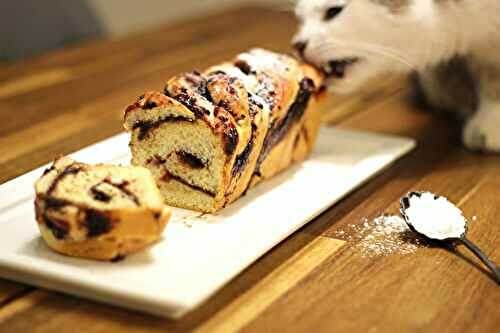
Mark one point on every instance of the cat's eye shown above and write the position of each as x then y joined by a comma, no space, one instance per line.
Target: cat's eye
332,12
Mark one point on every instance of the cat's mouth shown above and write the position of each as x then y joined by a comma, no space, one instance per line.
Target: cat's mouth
338,68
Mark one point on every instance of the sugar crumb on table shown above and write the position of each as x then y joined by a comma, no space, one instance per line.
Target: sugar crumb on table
383,236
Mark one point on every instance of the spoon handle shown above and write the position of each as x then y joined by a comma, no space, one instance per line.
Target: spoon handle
480,254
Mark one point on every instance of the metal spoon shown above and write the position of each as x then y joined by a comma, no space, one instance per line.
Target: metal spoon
405,204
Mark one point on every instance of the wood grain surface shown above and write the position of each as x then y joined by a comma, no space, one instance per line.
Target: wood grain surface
68,99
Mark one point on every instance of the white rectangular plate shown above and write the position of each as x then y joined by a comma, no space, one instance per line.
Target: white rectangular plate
198,254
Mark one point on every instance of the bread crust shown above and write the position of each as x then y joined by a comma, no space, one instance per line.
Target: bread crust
260,114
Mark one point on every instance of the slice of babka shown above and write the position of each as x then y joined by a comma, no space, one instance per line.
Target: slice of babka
210,136
102,212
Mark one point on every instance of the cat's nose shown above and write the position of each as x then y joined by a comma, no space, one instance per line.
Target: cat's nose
300,46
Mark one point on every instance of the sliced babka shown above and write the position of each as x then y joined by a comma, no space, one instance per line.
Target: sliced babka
210,136
100,211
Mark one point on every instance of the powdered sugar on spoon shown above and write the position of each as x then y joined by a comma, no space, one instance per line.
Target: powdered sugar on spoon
437,218
434,216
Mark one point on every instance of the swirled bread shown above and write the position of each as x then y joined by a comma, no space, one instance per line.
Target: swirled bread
99,212
210,136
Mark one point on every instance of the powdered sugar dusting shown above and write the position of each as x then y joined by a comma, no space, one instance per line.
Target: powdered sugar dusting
383,236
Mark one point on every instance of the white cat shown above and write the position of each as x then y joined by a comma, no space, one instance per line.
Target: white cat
454,45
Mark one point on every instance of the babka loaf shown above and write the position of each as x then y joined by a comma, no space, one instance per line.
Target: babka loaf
208,137
98,212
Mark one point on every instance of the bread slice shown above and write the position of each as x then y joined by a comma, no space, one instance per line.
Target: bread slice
210,136
102,212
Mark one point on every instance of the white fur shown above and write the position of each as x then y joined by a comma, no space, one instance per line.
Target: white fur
482,131
388,42
421,36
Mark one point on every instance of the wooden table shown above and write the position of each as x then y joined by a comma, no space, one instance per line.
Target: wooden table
68,99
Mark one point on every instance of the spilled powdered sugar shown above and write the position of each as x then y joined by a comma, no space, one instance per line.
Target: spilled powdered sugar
383,236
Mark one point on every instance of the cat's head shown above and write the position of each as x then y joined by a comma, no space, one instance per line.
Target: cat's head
356,40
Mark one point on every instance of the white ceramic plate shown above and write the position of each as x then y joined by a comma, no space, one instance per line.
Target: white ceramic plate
198,255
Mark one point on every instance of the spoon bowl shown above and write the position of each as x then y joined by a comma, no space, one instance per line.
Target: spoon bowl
405,204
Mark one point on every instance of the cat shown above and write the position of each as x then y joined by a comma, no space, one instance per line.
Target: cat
453,46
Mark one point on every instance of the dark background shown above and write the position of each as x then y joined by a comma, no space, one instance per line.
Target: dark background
31,27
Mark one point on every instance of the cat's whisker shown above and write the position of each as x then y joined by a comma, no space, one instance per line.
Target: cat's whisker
372,48
329,48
